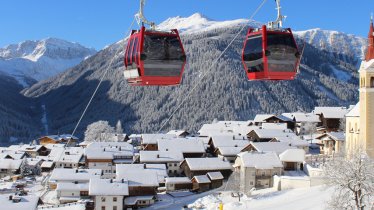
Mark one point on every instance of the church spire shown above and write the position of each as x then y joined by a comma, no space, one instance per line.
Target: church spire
370,51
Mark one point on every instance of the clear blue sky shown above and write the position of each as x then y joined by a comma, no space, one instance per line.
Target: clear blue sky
97,23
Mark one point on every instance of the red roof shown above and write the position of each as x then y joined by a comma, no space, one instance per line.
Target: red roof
370,51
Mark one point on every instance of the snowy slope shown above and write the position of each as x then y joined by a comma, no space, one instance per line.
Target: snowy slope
40,60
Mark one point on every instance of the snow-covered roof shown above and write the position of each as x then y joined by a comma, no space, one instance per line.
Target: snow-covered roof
142,174
260,160
280,126
181,145
81,175
33,161
153,138
177,180
277,147
230,151
109,187
293,155
303,117
56,152
28,202
229,140
293,141
202,179
215,128
263,117
134,199
355,112
70,158
208,164
14,154
337,136
331,112
47,164
160,156
272,133
69,186
177,132
215,175
10,164
25,147
109,150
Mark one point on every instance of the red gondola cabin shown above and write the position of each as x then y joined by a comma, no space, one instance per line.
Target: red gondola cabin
154,58
270,54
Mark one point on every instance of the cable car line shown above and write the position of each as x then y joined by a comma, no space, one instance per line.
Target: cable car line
211,67
101,80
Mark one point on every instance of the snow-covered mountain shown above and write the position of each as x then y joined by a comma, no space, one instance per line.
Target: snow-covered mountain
328,77
335,41
200,23
42,59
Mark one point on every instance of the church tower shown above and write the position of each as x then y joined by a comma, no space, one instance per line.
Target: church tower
367,97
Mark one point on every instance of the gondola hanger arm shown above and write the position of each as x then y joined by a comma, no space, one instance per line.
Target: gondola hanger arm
278,23
140,18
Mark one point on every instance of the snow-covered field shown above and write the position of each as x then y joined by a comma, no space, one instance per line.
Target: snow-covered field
313,198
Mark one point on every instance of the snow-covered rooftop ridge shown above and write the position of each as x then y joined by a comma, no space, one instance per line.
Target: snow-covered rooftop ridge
198,22
355,111
331,112
108,187
293,155
259,160
196,164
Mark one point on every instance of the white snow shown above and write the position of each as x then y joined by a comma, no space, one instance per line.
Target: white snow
313,198
335,41
41,59
198,23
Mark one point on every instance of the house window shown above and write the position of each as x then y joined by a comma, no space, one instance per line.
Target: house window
102,199
263,173
170,171
114,207
251,183
109,164
371,82
175,164
103,208
114,199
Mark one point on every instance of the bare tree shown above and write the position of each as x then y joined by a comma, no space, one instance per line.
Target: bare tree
353,180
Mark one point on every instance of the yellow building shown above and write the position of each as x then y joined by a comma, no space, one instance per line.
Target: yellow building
360,120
